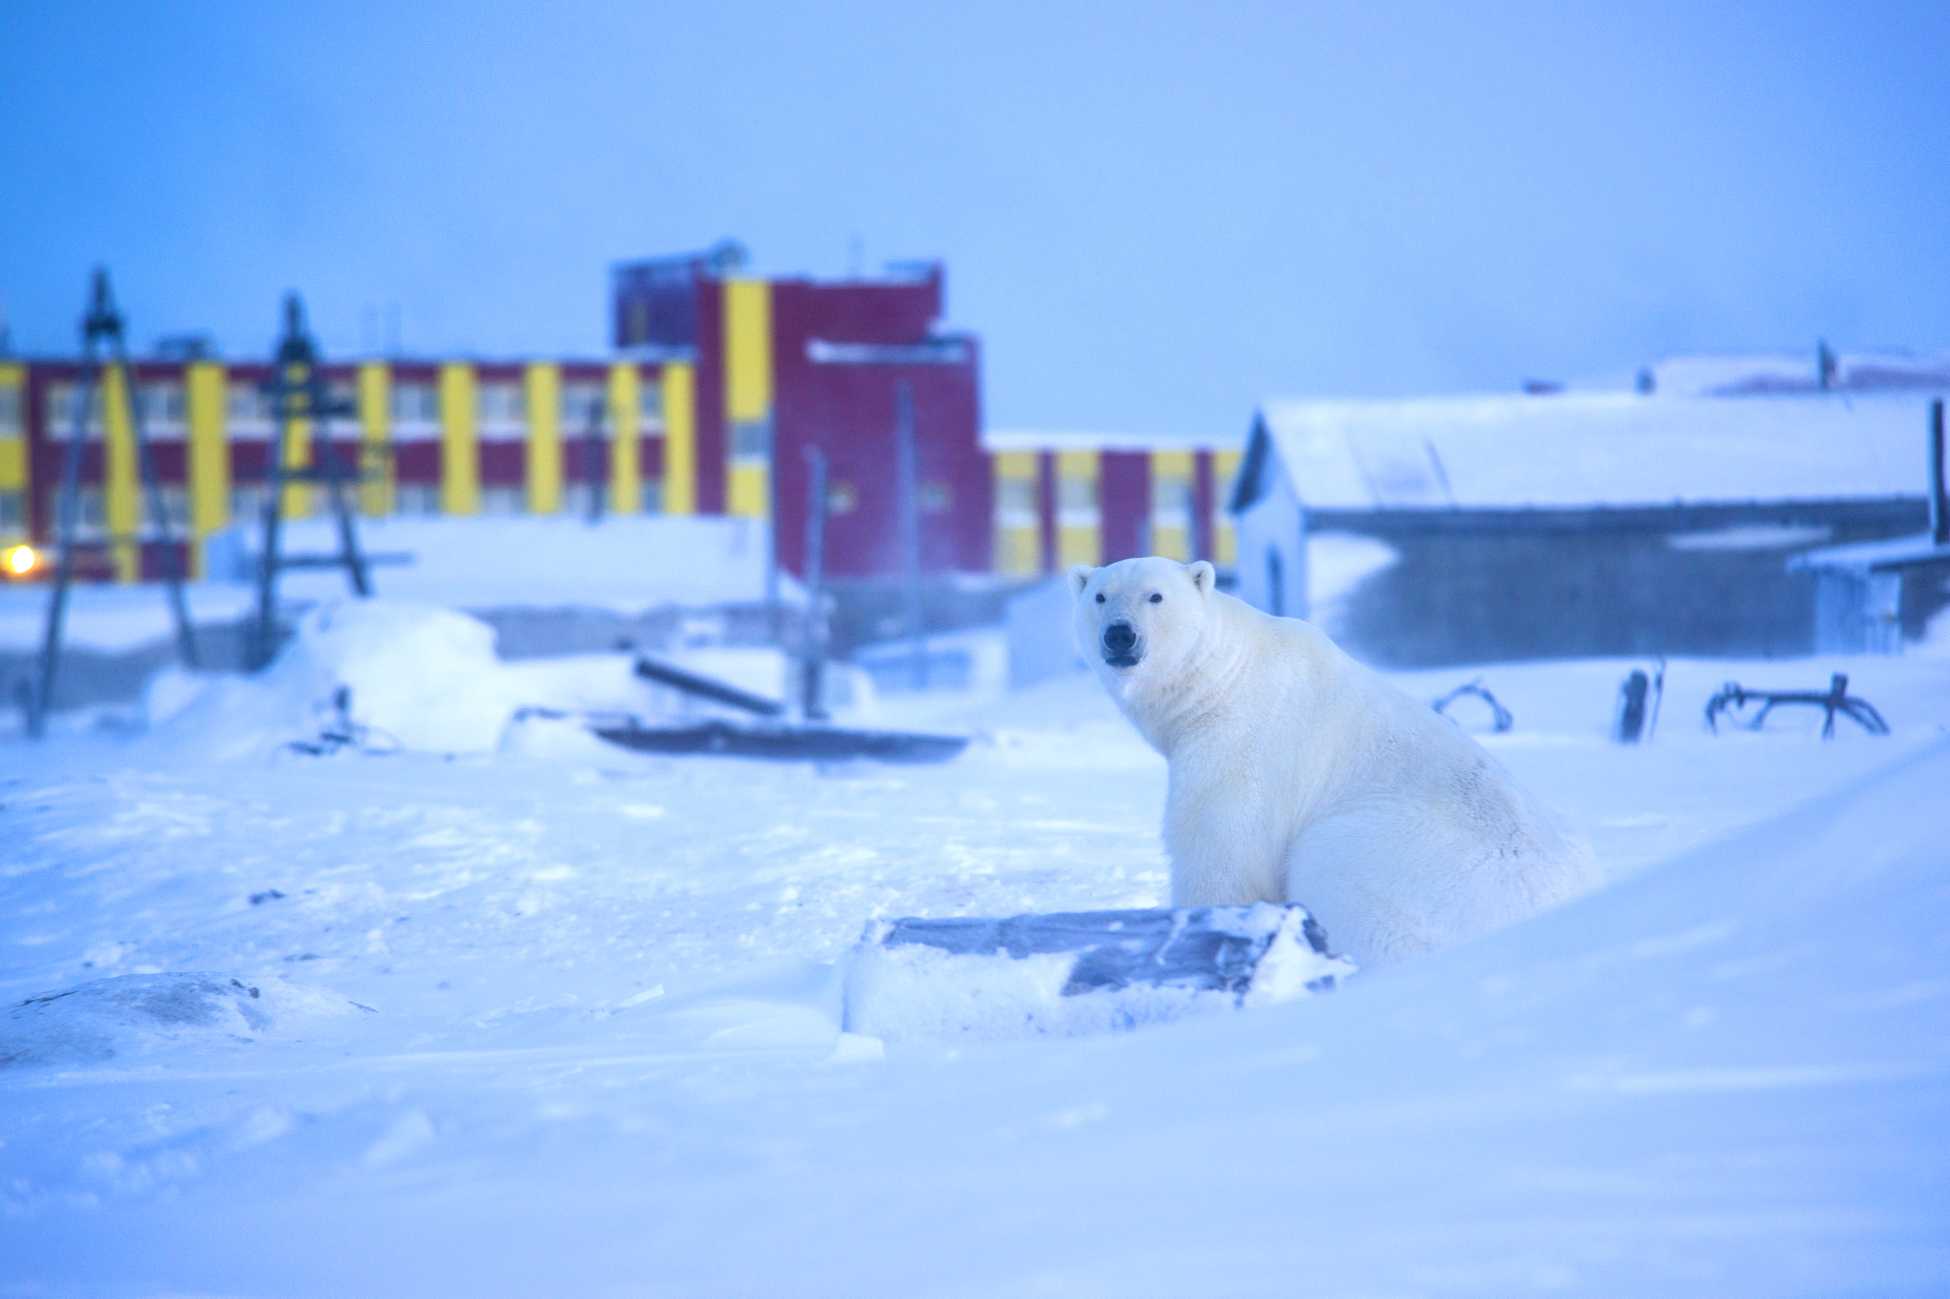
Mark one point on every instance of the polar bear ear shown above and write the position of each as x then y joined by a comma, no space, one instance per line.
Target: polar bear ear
1080,578
1203,576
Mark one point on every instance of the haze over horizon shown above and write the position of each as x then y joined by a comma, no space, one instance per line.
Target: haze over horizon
1154,215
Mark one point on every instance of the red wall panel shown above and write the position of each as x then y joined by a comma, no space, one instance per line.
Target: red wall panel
1124,497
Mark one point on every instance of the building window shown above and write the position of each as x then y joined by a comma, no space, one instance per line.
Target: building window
13,513
62,399
342,396
583,405
751,439
246,403
502,403
502,500
650,406
842,497
12,423
88,512
163,411
1077,494
247,413
415,403
246,503
1017,504
176,508
416,500
653,496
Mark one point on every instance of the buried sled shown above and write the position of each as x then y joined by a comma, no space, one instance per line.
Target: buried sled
781,742
768,737
1079,972
774,739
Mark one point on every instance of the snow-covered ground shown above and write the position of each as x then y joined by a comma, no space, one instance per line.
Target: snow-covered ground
537,1017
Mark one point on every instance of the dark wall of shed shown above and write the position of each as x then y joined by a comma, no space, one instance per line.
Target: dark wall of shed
1484,586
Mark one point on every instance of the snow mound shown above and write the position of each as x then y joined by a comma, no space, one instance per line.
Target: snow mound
424,678
380,676
1033,976
136,1014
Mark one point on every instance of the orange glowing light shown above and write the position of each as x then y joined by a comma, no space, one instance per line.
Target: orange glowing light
21,560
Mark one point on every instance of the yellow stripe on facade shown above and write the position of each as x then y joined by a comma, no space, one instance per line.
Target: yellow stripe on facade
1018,516
680,439
625,442
121,501
13,447
748,396
544,396
297,455
1173,478
1225,542
377,475
1079,516
209,456
460,441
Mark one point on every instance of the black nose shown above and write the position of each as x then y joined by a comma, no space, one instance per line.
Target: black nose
1119,637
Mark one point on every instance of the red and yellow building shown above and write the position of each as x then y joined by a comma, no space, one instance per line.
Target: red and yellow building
721,387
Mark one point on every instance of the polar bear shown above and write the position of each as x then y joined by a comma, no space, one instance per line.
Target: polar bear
1299,775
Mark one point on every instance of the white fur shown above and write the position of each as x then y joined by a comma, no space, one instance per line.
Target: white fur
1299,775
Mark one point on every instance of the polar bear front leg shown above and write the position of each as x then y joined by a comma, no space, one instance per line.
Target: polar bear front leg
1222,854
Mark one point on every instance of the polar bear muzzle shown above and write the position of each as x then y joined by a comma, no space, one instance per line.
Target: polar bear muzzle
1120,645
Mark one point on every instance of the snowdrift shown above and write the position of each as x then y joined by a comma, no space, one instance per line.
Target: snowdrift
426,677
422,679
134,1015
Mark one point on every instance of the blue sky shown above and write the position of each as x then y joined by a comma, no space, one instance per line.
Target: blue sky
1154,214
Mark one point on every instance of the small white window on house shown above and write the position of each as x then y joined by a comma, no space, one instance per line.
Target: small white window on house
650,406
13,412
13,513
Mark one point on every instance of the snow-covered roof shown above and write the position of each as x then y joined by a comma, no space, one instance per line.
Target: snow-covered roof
1875,556
1582,449
1018,439
1854,372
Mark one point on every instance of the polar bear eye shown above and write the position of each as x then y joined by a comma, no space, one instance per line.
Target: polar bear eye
1100,597
1156,598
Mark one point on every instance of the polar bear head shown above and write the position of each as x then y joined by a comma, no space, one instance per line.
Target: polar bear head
1140,617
